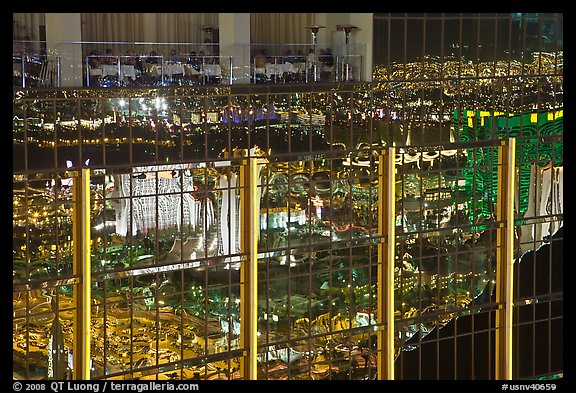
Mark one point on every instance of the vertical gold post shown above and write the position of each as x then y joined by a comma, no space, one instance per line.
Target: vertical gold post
81,260
249,219
386,250
505,258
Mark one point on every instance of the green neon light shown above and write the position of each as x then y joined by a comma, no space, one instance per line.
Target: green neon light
481,174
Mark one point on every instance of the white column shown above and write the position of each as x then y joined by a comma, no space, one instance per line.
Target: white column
363,35
335,38
234,31
360,39
63,34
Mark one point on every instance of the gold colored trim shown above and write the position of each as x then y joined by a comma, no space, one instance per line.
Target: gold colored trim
505,258
249,220
82,265
386,250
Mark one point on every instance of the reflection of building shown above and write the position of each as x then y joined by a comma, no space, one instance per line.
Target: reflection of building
158,197
280,217
229,216
546,198
145,314
57,353
535,32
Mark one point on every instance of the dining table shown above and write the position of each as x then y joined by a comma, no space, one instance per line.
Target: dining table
126,70
211,70
274,70
171,69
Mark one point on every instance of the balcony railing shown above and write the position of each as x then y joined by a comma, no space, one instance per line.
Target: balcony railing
35,70
111,71
290,69
156,64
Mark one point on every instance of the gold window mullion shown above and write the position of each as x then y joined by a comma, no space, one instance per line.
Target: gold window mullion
249,221
386,251
505,258
82,265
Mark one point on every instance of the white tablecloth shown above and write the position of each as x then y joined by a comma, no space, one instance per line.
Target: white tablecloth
109,69
168,68
211,70
151,69
172,69
190,70
278,69
274,69
126,70
298,67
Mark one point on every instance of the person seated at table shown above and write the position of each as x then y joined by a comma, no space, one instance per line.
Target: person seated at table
109,57
287,56
193,68
312,58
194,61
153,58
94,59
109,74
313,64
326,57
207,58
175,57
129,57
138,62
261,59
151,64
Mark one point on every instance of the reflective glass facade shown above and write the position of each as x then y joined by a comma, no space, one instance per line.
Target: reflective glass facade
188,185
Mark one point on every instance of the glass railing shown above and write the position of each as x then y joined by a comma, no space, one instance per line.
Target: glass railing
299,69
181,70
122,64
35,70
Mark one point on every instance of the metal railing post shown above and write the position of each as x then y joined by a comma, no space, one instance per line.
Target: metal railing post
88,71
231,70
23,68
58,67
505,258
386,250
81,261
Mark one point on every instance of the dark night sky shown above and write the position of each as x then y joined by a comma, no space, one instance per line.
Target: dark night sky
398,39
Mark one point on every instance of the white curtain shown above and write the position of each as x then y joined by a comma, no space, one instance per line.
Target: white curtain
130,27
281,28
265,28
183,27
25,26
111,27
